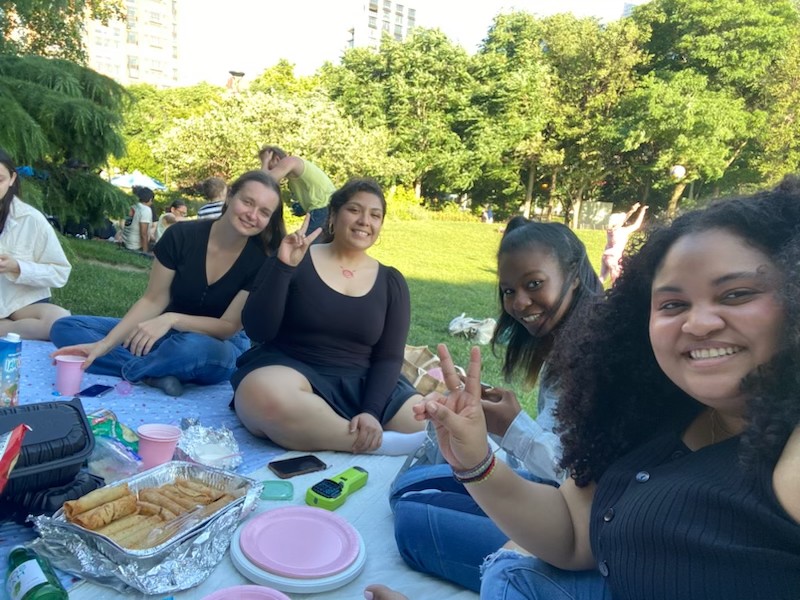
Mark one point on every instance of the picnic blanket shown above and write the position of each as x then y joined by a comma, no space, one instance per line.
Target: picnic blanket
367,510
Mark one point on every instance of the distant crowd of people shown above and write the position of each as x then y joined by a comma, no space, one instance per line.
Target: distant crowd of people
662,462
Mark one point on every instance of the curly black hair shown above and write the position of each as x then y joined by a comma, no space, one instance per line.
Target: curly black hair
524,350
614,395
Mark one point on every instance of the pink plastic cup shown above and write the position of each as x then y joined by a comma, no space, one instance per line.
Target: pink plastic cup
69,374
157,443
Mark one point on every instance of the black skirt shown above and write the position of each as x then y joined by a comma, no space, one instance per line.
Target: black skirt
341,387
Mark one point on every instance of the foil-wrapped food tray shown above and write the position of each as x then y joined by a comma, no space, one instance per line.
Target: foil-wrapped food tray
183,561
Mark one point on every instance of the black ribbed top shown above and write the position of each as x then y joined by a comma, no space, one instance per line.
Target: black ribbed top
669,523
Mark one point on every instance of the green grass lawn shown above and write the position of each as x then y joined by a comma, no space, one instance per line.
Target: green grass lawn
450,268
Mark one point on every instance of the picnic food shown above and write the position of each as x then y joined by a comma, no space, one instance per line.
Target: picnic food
148,517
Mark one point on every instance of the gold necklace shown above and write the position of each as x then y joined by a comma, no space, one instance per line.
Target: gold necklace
715,424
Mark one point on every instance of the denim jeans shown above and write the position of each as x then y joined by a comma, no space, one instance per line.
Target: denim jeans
509,575
318,218
439,528
191,357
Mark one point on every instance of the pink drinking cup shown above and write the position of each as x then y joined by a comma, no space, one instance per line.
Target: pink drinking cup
157,443
69,374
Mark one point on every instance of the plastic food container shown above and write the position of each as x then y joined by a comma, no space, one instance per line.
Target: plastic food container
55,448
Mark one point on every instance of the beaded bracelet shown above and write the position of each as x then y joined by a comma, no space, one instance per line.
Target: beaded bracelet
482,476
476,470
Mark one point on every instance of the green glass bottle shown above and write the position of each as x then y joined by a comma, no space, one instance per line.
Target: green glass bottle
30,577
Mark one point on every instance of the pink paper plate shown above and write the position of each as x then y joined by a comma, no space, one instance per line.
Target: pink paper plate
247,592
300,542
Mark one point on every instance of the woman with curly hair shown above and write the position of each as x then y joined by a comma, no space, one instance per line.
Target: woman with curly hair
545,280
680,425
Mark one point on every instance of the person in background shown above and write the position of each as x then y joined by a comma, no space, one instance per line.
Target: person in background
176,212
331,324
215,190
31,262
680,425
617,236
187,326
311,188
545,282
136,232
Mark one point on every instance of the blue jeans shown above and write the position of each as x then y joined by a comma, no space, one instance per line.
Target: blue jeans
318,218
191,357
508,575
439,528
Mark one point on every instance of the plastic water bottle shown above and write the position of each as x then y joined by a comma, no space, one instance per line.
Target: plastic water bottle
10,360
30,577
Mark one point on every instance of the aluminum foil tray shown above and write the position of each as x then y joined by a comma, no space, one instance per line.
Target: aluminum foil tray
179,563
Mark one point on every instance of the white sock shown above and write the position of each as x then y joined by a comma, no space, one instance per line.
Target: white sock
399,444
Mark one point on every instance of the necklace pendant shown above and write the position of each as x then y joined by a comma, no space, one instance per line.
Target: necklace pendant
347,273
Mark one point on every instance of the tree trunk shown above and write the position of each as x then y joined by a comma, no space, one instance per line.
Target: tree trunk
418,188
552,197
672,209
526,208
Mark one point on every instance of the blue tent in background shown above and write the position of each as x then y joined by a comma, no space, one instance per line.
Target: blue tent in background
130,180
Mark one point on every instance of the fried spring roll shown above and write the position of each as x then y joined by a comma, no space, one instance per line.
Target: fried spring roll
94,499
154,496
104,514
121,524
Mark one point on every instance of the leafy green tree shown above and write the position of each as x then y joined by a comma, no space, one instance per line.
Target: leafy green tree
64,120
153,111
680,121
419,89
512,105
51,28
281,80
225,140
593,67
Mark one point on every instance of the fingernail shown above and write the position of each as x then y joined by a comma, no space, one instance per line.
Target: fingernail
368,595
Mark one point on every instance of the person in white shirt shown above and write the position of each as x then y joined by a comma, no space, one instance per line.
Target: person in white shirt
545,279
31,262
177,211
136,233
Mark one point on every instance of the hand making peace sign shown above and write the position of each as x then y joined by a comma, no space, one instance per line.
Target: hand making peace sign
295,245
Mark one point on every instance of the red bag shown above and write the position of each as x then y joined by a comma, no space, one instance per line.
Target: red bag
10,448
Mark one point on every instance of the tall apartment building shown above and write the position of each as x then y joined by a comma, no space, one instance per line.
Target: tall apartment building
143,49
379,17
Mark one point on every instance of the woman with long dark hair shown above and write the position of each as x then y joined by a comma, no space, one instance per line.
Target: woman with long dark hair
187,327
545,281
31,262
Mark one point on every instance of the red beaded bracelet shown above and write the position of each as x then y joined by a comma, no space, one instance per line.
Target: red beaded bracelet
481,476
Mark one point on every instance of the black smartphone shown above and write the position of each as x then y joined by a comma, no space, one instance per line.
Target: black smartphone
95,391
299,465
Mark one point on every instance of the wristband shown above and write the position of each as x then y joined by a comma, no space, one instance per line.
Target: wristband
482,476
477,469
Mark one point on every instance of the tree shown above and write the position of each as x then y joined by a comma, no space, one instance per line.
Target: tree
419,89
51,28
512,105
64,120
225,140
150,113
678,120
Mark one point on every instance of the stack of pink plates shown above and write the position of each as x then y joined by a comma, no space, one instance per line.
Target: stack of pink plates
298,549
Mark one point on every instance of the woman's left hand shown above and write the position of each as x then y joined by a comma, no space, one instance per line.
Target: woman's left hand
369,433
140,341
8,264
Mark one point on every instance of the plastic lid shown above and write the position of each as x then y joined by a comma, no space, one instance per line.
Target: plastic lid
13,337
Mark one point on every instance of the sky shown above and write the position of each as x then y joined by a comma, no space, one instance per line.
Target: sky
250,36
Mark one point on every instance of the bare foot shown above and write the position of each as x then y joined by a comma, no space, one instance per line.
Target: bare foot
381,592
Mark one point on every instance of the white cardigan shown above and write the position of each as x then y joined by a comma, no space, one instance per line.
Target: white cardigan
30,239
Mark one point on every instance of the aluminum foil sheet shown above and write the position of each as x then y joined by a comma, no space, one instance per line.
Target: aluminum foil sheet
213,447
178,564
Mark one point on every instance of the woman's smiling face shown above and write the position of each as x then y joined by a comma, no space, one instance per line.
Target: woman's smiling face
714,315
531,283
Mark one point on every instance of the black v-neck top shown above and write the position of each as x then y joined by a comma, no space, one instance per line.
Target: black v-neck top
183,249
